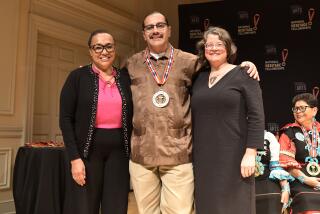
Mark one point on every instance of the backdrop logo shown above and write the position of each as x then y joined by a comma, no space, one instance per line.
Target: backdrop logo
284,56
273,128
296,10
311,12
194,20
315,91
243,15
206,24
195,33
301,21
271,50
256,19
300,87
246,25
274,62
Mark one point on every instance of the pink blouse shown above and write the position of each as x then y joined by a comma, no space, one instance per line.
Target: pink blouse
109,106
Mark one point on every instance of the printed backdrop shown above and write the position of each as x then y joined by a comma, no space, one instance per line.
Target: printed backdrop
281,37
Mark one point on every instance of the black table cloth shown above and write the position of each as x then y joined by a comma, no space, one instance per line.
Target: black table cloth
39,180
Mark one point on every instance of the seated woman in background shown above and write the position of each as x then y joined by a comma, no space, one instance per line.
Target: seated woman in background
271,198
299,154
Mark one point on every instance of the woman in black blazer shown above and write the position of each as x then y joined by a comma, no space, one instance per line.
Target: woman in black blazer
96,124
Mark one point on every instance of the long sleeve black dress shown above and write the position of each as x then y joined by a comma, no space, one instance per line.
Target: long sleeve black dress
227,119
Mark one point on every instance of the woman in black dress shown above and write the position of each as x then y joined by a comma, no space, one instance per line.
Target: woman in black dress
299,154
228,126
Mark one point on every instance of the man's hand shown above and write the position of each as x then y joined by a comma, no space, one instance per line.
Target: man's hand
252,69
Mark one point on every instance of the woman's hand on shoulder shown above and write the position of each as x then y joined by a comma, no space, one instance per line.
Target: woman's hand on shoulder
252,69
78,171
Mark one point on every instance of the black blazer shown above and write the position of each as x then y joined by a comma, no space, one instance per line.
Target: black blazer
78,108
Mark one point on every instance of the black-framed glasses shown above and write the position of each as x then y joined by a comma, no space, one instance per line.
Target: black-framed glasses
159,26
299,108
98,48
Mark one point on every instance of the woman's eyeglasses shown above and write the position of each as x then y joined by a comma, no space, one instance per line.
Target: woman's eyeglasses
211,46
98,48
299,108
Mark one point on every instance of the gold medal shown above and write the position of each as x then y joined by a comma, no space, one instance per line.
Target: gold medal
313,168
160,99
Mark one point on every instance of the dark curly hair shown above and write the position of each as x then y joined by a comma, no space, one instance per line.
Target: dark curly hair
223,36
310,99
98,31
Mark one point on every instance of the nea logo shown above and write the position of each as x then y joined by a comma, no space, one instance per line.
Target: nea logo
248,24
296,11
271,51
243,16
301,19
300,87
194,20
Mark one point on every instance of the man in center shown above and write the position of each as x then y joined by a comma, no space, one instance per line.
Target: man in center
161,149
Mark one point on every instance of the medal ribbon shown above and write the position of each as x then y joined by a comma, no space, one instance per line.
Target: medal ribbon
167,68
312,145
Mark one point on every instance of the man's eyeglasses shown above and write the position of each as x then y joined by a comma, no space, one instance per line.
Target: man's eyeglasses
159,26
98,48
299,108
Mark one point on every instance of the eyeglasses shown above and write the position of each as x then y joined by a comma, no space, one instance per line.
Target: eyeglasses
159,26
299,108
211,46
98,48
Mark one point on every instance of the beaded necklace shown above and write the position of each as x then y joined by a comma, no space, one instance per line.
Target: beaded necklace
313,146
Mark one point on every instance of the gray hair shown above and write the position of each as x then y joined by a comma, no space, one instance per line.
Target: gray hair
223,36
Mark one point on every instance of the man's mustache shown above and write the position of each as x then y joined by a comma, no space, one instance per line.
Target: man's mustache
155,34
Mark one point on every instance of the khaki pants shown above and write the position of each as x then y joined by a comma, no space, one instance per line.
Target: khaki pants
163,189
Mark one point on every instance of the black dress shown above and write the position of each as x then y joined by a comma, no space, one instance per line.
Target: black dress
227,119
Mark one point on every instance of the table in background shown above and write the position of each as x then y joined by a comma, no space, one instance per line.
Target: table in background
39,180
